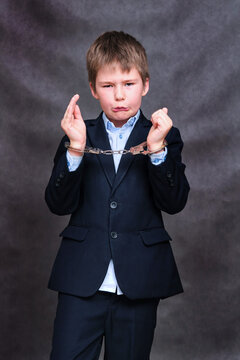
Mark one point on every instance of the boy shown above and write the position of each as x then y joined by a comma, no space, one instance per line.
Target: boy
115,261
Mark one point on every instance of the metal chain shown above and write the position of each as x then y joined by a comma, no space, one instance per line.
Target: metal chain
135,150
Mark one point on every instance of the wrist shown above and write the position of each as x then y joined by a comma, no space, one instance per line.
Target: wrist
75,153
75,147
157,148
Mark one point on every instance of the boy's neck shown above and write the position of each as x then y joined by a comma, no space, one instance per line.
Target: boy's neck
118,123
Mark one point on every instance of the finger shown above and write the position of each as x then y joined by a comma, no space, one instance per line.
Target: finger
68,116
163,114
160,113
163,123
159,117
71,106
77,113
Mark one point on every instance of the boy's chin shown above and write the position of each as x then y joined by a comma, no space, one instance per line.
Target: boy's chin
120,116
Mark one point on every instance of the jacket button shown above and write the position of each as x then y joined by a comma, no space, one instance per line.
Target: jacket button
169,175
58,182
114,235
61,175
113,204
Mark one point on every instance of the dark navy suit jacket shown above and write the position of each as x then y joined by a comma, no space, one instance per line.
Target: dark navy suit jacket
117,216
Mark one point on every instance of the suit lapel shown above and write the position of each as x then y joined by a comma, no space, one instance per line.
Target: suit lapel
99,139
137,136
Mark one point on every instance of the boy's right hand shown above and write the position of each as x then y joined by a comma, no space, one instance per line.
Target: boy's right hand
74,126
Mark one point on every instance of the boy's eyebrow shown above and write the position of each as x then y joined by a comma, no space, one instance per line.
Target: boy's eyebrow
109,81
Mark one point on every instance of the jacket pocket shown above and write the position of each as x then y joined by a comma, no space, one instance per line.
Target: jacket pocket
155,236
74,232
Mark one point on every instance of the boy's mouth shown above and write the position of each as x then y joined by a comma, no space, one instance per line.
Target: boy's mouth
120,108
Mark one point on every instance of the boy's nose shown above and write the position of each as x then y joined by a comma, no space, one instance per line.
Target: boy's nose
119,93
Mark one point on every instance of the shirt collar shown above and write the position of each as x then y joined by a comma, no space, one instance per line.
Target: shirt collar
112,128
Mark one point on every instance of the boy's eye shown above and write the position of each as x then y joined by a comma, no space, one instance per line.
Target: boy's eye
107,86
129,84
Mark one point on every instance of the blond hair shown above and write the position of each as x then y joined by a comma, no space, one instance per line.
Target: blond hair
116,47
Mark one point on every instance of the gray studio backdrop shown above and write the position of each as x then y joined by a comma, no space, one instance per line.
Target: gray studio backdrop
193,50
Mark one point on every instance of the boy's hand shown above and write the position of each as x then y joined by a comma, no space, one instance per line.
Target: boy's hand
161,124
74,126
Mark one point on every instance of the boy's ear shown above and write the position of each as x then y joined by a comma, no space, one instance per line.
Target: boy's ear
94,94
145,87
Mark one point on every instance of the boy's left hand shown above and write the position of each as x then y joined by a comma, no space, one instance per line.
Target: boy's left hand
161,124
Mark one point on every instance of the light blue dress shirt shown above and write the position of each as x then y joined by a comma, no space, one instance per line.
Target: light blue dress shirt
117,139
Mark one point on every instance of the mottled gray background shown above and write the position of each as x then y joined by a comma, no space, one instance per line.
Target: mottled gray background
193,49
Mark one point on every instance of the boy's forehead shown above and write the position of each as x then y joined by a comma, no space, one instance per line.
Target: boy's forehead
113,69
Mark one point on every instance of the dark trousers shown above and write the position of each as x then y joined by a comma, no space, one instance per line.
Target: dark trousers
81,323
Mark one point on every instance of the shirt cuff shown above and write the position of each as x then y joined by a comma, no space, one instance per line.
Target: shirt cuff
157,159
73,162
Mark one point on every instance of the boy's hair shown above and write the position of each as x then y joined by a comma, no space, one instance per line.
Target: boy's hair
119,47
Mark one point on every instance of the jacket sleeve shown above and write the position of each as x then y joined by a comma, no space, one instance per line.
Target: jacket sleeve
168,181
62,193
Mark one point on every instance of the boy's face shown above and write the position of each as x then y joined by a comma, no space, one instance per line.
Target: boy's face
119,92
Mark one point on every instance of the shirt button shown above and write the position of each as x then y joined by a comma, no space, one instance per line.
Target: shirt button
113,204
114,235
120,136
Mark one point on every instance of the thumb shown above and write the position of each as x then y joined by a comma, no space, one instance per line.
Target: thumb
165,110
